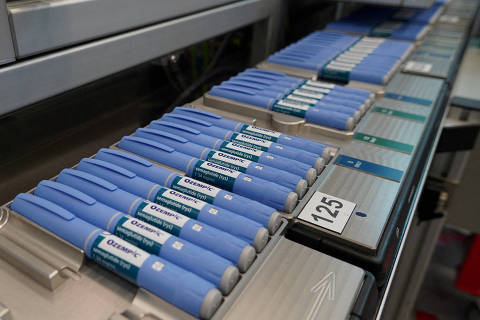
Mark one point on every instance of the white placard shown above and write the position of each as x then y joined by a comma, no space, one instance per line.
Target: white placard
416,66
327,211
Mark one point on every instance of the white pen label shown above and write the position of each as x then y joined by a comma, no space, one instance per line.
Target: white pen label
315,89
228,160
141,234
179,202
417,66
215,174
241,150
251,141
161,217
261,133
306,100
320,84
195,188
308,94
327,211
118,255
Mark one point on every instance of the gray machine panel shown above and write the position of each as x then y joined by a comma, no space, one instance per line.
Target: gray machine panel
67,69
299,283
383,156
395,129
48,25
7,53
414,87
373,195
404,106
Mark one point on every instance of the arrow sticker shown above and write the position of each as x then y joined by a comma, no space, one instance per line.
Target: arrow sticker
324,288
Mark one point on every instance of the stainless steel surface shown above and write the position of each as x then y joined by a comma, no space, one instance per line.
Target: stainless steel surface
373,195
404,106
297,282
95,295
7,54
409,220
39,78
396,129
35,251
51,24
383,156
276,121
5,313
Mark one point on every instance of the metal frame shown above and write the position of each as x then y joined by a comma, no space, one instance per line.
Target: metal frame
7,54
39,78
42,26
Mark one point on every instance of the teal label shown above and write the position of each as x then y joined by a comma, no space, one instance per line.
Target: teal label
387,143
397,96
195,188
161,217
215,174
335,74
241,151
228,160
141,234
179,202
118,255
291,107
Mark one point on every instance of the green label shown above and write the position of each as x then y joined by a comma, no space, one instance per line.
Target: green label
179,202
161,217
241,151
400,114
261,133
215,174
141,234
195,188
399,146
118,255
291,107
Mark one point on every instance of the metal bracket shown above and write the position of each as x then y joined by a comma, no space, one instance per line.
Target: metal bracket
36,252
281,122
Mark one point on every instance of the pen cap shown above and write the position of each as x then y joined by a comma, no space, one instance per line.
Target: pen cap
54,218
100,189
84,206
332,119
193,135
155,151
118,175
204,127
140,166
179,287
179,143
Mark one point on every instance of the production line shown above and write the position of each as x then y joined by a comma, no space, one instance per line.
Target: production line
284,192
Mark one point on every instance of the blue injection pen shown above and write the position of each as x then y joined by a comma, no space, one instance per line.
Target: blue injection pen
251,209
204,263
232,248
237,225
175,285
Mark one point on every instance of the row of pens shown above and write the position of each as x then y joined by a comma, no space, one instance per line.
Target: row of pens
318,102
185,238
